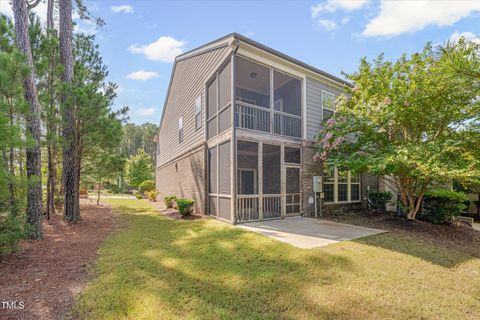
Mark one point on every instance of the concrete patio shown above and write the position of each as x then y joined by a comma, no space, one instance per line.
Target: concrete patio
307,233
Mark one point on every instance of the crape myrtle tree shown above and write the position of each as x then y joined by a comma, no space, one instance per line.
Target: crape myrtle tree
139,169
407,120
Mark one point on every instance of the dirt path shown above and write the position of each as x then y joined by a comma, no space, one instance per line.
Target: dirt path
47,274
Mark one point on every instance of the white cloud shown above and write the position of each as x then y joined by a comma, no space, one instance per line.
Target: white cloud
334,5
345,20
164,49
470,36
125,8
145,111
249,33
142,75
398,17
327,24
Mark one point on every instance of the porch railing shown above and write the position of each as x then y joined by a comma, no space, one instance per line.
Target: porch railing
248,116
272,206
247,208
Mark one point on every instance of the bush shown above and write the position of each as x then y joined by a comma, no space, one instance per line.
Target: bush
147,185
185,206
152,195
440,206
11,231
168,201
379,199
138,196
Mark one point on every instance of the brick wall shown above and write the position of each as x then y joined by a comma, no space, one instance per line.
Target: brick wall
184,177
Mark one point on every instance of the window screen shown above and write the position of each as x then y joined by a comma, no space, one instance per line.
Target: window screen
252,83
224,168
212,98
287,94
225,119
271,169
224,86
292,155
247,167
212,170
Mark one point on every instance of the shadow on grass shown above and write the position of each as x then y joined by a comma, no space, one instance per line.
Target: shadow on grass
203,269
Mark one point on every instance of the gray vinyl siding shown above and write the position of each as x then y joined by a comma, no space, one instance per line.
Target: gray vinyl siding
314,105
188,82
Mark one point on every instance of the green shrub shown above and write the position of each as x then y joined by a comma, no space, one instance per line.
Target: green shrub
138,196
152,195
379,199
11,231
168,201
185,206
147,185
440,206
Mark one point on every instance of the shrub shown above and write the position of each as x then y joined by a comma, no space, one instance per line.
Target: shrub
379,199
168,201
147,185
440,206
185,206
152,195
138,196
11,232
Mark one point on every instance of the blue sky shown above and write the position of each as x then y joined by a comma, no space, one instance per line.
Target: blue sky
141,38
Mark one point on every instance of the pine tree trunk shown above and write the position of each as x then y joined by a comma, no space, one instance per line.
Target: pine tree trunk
68,131
50,14
34,173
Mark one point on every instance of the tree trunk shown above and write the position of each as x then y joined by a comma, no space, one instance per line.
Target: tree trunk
68,131
99,189
34,172
11,186
50,6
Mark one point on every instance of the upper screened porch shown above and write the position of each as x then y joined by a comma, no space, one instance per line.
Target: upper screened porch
266,99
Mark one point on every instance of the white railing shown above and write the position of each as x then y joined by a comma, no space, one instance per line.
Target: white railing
287,125
293,203
247,208
272,206
252,117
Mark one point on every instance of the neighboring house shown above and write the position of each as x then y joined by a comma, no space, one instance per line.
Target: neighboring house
237,134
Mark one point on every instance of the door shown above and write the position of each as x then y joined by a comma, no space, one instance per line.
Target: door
292,191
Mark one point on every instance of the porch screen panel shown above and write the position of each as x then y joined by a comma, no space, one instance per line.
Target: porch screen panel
212,206
224,208
252,83
271,169
225,120
212,98
212,170
212,127
292,155
247,167
224,168
287,94
224,86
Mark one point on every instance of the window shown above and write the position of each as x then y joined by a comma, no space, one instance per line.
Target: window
198,113
180,129
292,155
328,104
341,186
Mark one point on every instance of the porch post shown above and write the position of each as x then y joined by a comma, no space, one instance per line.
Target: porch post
233,147
260,179
283,178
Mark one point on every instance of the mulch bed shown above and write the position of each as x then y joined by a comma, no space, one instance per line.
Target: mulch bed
457,235
173,214
48,274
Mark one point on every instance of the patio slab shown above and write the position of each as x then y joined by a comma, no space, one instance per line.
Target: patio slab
307,233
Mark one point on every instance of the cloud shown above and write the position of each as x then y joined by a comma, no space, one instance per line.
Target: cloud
345,20
164,49
470,36
142,75
125,8
334,5
249,33
145,111
327,24
398,17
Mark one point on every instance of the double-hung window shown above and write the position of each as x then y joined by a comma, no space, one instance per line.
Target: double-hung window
340,186
328,105
198,113
180,129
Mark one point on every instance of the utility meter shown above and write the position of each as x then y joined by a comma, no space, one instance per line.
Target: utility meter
317,184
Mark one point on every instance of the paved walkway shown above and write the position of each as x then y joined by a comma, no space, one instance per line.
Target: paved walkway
308,233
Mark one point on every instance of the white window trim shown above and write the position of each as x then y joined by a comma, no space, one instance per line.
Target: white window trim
349,188
334,99
198,112
180,130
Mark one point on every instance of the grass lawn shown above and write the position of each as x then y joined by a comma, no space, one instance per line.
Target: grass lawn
156,268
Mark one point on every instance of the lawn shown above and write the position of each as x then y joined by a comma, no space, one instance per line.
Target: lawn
156,268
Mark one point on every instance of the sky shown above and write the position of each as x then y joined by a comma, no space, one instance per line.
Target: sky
141,38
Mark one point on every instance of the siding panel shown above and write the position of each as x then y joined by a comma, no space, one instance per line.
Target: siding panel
188,82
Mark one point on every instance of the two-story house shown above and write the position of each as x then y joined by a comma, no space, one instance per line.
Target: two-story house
237,135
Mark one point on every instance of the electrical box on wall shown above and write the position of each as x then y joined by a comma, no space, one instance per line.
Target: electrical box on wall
317,184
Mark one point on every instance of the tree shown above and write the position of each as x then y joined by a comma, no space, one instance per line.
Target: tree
70,178
461,58
34,158
139,169
406,120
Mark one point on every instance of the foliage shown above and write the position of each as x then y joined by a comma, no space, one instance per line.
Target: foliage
440,206
200,261
139,137
147,185
11,232
138,196
152,195
185,206
139,169
168,201
461,58
379,199
408,120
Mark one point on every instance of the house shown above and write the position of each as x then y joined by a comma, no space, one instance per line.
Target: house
237,135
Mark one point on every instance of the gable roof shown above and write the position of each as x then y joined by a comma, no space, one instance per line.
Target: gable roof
226,40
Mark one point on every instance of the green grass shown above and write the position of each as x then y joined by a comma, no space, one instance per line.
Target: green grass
155,268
